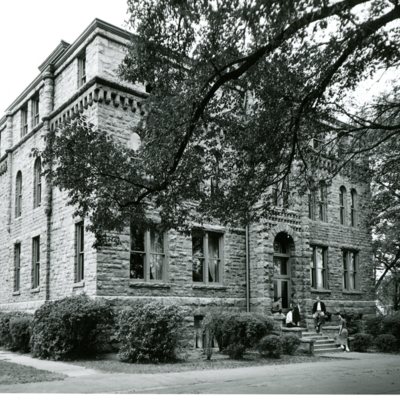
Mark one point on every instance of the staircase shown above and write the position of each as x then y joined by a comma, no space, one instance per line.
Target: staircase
322,343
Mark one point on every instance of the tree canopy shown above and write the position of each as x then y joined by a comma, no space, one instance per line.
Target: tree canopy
239,89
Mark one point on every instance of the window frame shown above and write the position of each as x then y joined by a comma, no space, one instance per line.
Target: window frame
350,274
147,253
79,271
205,235
24,120
353,208
35,110
35,275
323,202
281,193
17,266
18,194
324,269
37,183
342,205
81,68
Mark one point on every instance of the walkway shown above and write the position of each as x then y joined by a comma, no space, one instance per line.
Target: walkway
351,373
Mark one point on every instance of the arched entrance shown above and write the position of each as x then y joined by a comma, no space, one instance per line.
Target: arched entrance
283,247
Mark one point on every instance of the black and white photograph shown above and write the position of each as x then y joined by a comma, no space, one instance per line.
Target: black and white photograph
200,197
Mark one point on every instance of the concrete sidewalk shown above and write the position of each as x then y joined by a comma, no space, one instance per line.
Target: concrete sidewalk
352,373
52,366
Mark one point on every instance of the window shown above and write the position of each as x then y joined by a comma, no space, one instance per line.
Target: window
147,260
350,267
281,194
35,110
37,183
323,202
319,267
79,252
35,262
312,204
353,208
82,69
206,257
24,120
18,194
17,266
342,205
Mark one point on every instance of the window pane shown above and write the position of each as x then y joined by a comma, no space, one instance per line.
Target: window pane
197,269
319,267
137,266
197,245
156,242
213,270
213,246
137,239
156,266
285,291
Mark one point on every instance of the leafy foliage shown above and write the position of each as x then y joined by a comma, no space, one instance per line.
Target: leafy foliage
290,343
235,332
238,92
362,342
149,333
70,328
391,325
386,343
270,346
374,326
20,332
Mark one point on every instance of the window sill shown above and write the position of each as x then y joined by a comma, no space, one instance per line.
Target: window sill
203,286
36,290
16,293
352,292
78,284
154,285
313,290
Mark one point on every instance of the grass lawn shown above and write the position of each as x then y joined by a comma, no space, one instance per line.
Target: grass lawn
195,361
11,374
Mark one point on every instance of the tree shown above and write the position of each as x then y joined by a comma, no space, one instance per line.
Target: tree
239,89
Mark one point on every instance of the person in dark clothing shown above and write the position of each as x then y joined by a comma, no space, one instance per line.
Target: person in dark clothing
296,314
319,313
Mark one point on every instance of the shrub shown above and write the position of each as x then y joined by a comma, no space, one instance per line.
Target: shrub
149,333
270,346
69,328
374,326
354,323
235,351
391,325
5,336
386,343
290,343
237,329
20,332
361,342
15,331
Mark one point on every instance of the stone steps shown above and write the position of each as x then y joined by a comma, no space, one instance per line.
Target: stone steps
322,343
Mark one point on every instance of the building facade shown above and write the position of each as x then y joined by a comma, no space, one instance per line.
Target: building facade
321,247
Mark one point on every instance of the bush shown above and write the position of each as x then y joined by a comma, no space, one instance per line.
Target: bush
374,326
237,329
354,323
290,343
20,331
149,333
391,325
361,342
386,343
15,331
270,346
70,328
235,351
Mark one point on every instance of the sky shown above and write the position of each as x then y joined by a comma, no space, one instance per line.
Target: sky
31,29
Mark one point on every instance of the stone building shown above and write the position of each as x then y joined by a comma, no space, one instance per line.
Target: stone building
320,248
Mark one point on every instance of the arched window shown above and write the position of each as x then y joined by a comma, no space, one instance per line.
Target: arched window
323,202
353,209
18,194
37,183
342,205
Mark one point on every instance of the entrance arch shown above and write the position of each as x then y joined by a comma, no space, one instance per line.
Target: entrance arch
283,248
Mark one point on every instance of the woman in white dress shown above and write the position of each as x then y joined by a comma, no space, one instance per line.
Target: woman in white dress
343,333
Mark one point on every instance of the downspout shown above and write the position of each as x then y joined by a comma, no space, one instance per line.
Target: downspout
247,269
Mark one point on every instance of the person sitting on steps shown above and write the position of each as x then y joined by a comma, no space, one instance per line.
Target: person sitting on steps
318,313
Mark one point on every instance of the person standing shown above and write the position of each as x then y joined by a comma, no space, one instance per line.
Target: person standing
343,336
296,314
318,313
